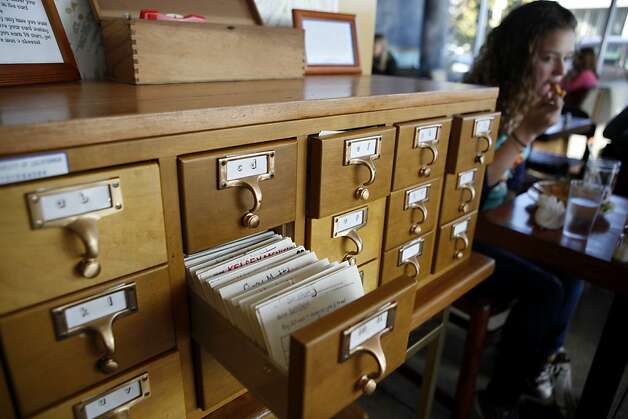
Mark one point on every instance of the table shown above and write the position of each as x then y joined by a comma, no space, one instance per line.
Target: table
511,227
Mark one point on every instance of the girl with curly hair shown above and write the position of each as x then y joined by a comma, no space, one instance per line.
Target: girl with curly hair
526,57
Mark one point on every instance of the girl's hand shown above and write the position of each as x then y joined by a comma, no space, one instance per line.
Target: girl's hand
544,113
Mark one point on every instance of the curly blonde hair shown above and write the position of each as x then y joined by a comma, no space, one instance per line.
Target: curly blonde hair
506,58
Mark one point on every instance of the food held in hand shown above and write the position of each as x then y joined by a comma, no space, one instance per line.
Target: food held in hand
558,90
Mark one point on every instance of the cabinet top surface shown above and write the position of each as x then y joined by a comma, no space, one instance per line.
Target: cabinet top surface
94,112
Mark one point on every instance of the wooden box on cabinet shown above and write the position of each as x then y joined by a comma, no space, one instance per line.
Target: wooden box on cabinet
230,46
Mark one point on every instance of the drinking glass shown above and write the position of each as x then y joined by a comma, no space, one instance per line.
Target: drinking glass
603,172
583,205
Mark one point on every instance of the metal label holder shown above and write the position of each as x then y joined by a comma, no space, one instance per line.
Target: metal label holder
483,136
101,326
119,411
362,191
431,146
351,233
460,238
415,227
414,259
251,183
467,187
84,225
371,345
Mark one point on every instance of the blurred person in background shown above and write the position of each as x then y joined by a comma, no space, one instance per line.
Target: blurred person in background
383,60
580,79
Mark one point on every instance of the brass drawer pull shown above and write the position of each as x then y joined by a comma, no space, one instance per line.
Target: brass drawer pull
363,152
459,252
78,208
416,228
464,204
362,192
247,171
96,314
359,245
479,156
365,337
347,225
426,170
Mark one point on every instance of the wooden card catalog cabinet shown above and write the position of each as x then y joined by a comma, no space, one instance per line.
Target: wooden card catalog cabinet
472,141
454,242
421,151
154,390
349,169
463,192
231,193
412,212
85,338
80,231
333,361
355,234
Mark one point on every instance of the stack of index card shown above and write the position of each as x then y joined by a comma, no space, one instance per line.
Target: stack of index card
268,287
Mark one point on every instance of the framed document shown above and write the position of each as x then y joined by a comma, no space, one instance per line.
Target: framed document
33,45
331,43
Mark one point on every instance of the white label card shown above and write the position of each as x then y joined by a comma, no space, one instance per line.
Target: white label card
97,308
33,167
466,178
427,134
461,228
368,330
249,166
414,249
362,148
113,400
348,221
67,204
482,126
417,195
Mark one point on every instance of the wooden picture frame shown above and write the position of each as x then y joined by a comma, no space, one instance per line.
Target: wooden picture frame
34,72
331,42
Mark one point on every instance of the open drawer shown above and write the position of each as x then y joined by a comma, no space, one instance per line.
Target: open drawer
321,380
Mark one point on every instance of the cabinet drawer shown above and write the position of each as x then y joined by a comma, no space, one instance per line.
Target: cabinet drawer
369,272
472,141
231,193
320,381
421,151
154,390
62,235
216,386
64,340
412,259
6,405
342,235
453,243
349,169
462,192
412,212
